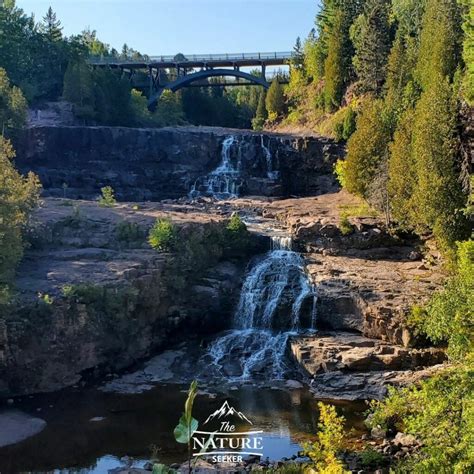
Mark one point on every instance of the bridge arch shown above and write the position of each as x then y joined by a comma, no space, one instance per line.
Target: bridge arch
184,81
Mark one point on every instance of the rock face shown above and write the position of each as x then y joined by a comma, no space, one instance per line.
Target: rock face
94,297
154,164
352,367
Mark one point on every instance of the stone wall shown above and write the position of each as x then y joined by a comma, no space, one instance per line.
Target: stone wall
154,164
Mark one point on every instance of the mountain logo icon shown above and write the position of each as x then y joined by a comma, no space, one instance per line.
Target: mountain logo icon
225,411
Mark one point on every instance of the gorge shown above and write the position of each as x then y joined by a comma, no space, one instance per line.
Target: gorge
292,305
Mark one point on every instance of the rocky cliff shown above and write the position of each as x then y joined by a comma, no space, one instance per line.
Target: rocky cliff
154,164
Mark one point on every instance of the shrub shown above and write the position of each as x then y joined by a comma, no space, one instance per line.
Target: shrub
128,232
345,226
329,442
162,235
449,315
371,458
349,124
108,197
339,171
440,413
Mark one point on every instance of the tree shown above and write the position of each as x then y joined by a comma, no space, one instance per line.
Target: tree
275,100
261,113
79,89
468,52
370,34
438,195
297,58
440,42
18,196
51,27
367,148
13,105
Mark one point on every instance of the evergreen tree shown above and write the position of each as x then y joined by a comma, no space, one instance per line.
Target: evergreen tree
438,195
370,34
297,58
440,41
367,148
349,124
52,26
261,114
402,172
468,51
275,100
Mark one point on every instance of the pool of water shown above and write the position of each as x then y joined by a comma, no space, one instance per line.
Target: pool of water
131,426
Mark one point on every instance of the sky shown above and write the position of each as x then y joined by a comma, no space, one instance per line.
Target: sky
163,27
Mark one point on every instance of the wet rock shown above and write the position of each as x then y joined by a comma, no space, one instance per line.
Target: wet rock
17,426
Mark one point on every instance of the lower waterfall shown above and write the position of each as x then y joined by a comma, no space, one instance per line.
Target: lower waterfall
277,301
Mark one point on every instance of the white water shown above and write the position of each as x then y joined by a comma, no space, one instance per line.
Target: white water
269,160
268,313
222,183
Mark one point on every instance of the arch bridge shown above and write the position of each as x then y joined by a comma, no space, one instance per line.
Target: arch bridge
176,72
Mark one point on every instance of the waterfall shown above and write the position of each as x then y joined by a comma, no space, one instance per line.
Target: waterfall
269,160
222,183
270,310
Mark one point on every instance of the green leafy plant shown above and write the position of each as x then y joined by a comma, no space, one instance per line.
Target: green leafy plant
329,442
187,424
345,226
371,458
162,235
128,232
107,198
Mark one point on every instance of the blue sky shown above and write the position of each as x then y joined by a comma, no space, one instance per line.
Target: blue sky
157,27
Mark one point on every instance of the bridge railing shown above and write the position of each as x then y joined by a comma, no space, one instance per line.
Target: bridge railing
282,55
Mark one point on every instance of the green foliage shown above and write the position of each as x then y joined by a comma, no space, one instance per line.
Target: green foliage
440,42
449,315
349,124
367,148
329,442
129,232
12,104
275,100
169,110
261,114
468,51
236,236
107,198
187,424
439,413
345,226
438,195
370,458
339,171
370,34
18,197
162,235
79,88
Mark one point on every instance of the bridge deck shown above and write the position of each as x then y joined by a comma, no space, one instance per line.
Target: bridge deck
193,60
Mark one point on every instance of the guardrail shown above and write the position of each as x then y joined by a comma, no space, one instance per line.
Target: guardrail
194,57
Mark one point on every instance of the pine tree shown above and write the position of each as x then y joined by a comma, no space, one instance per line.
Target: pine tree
367,148
402,172
297,58
52,26
468,51
261,114
440,41
275,100
438,195
371,37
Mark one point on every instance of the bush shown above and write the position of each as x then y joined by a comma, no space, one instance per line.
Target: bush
349,124
162,235
108,198
440,414
19,196
371,458
345,226
329,442
128,232
449,316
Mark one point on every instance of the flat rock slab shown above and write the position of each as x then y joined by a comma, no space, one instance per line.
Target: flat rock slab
16,426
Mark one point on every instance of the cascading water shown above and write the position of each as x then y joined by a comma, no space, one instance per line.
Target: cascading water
222,183
269,160
269,311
